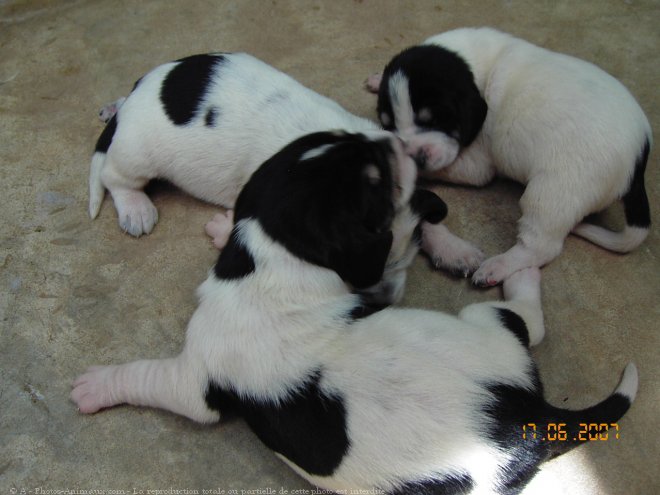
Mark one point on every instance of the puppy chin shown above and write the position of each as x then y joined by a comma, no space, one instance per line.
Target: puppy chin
432,150
387,292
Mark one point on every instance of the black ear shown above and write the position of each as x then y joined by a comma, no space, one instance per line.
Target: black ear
363,265
471,115
428,206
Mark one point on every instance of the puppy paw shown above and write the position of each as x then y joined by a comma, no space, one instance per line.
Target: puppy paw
220,227
460,262
372,83
91,390
448,251
110,110
137,214
493,271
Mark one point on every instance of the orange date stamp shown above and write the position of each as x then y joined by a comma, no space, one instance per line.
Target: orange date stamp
558,432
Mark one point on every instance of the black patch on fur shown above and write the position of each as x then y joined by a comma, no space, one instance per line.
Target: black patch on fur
515,324
308,428
325,210
455,484
635,201
512,408
185,86
234,261
365,309
428,206
105,139
211,117
442,82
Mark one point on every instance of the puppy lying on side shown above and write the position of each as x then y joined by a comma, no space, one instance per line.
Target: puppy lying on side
206,123
402,400
473,103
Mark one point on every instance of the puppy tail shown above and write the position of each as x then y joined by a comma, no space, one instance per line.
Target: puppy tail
96,189
567,429
637,211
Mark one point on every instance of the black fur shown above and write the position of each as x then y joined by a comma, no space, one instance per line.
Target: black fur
234,262
635,201
514,323
211,117
441,81
326,210
184,87
428,206
308,428
457,484
105,139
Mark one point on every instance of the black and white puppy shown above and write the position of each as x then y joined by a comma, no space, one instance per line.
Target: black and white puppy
206,123
401,400
473,103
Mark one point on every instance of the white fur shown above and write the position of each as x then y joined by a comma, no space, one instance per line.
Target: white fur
260,110
562,126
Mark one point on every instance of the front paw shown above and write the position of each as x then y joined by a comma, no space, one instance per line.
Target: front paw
91,390
460,262
493,271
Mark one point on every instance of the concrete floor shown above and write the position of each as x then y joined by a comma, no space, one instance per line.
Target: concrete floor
77,292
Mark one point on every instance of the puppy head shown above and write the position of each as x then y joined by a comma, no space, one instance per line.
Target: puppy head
330,198
428,96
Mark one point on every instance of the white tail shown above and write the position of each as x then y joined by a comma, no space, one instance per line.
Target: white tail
620,242
96,189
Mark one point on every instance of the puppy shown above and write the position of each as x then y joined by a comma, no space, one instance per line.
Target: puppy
401,400
473,103
206,123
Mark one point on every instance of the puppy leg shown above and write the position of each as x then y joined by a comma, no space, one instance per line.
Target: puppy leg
136,213
521,313
219,228
111,109
449,251
548,215
172,384
472,167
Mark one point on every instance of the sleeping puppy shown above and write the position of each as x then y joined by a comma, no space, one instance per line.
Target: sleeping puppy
473,103
206,123
400,400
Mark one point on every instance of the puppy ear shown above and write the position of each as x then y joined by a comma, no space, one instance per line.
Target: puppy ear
472,116
428,206
363,266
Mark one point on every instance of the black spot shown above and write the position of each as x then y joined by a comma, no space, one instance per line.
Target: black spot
455,484
635,201
428,206
511,408
365,309
234,261
185,86
440,81
515,324
211,117
308,428
325,210
108,133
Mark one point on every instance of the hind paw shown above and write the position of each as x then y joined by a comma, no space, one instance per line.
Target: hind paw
220,227
137,214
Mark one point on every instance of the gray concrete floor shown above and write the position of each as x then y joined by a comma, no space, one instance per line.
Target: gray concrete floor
77,292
